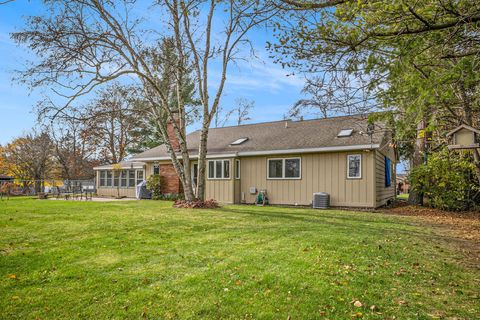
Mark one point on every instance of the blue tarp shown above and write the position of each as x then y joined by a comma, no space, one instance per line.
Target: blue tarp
388,178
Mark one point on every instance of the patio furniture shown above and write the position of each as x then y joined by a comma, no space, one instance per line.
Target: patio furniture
42,195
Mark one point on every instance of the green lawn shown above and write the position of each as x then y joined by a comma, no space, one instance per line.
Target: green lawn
72,260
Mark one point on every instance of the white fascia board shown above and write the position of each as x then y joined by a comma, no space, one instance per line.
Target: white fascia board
123,167
310,150
213,156
273,152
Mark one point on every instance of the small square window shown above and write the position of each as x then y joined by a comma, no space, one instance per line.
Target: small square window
354,169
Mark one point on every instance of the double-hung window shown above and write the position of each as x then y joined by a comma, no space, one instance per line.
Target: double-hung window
284,168
123,179
139,176
354,166
219,169
103,178
131,178
108,178
156,168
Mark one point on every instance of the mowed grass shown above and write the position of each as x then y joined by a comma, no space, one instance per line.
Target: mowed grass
134,260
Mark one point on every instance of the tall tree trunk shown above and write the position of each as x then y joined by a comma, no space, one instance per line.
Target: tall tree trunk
416,197
202,162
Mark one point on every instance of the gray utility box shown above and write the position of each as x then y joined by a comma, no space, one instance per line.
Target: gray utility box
321,200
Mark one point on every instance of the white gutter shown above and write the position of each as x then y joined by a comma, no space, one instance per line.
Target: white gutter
123,167
272,152
310,150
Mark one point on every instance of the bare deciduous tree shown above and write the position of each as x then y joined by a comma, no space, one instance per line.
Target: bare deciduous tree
242,110
110,121
83,44
73,148
30,157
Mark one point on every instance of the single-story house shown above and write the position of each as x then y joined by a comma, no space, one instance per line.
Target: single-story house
352,161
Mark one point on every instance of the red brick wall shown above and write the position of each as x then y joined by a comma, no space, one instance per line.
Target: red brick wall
171,134
170,183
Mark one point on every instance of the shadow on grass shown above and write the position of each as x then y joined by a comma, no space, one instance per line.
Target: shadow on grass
370,224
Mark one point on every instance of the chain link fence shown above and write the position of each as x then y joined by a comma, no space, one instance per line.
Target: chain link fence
16,187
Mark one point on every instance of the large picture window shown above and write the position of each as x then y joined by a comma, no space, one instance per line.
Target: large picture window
285,168
219,169
354,166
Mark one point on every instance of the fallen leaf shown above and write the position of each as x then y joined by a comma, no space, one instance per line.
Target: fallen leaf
12,276
358,304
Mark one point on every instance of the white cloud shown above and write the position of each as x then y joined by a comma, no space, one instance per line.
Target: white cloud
263,74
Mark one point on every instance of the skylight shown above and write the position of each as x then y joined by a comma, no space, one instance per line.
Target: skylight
238,141
345,133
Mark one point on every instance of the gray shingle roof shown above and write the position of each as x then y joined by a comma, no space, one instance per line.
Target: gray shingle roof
281,135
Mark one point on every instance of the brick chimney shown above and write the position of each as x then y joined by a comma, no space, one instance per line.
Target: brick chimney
171,131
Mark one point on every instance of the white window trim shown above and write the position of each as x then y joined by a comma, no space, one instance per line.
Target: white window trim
283,169
237,165
112,185
348,166
215,169
136,176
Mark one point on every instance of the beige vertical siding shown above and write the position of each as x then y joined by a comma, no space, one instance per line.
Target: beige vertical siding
112,192
383,194
221,190
321,172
